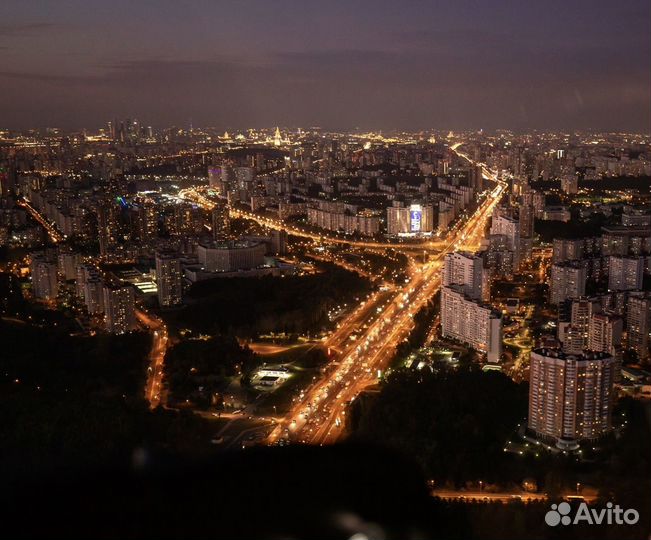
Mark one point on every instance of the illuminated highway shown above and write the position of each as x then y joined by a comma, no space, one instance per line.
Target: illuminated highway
154,387
366,338
54,235
318,415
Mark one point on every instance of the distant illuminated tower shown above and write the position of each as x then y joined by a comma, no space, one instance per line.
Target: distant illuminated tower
107,226
277,138
169,278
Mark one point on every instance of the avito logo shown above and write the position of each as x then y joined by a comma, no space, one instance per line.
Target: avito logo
611,515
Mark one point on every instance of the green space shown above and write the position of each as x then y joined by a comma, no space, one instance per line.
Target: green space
78,402
248,307
198,370
548,230
456,424
453,422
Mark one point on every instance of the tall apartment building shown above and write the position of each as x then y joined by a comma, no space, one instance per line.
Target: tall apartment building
538,202
45,285
67,262
94,295
636,216
570,395
107,226
83,273
279,242
567,281
144,221
120,308
581,310
221,224
625,273
466,270
230,256
498,258
510,228
214,177
471,322
638,324
526,220
363,222
245,176
605,333
570,184
169,278
572,339
567,249
622,240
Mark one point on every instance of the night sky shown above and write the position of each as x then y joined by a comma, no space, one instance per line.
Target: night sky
454,64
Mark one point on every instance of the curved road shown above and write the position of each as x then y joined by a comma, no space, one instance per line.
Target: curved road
154,392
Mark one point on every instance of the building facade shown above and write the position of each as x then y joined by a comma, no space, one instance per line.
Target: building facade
570,395
471,322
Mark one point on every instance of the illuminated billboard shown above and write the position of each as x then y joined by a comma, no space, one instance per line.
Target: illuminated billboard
415,218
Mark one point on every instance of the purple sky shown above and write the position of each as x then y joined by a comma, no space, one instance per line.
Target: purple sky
454,64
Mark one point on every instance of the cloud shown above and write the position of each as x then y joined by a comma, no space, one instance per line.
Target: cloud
44,77
342,88
25,29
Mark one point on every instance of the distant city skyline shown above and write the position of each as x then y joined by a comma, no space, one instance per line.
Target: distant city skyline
380,65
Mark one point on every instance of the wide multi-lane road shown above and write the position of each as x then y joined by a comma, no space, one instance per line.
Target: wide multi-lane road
317,416
366,339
